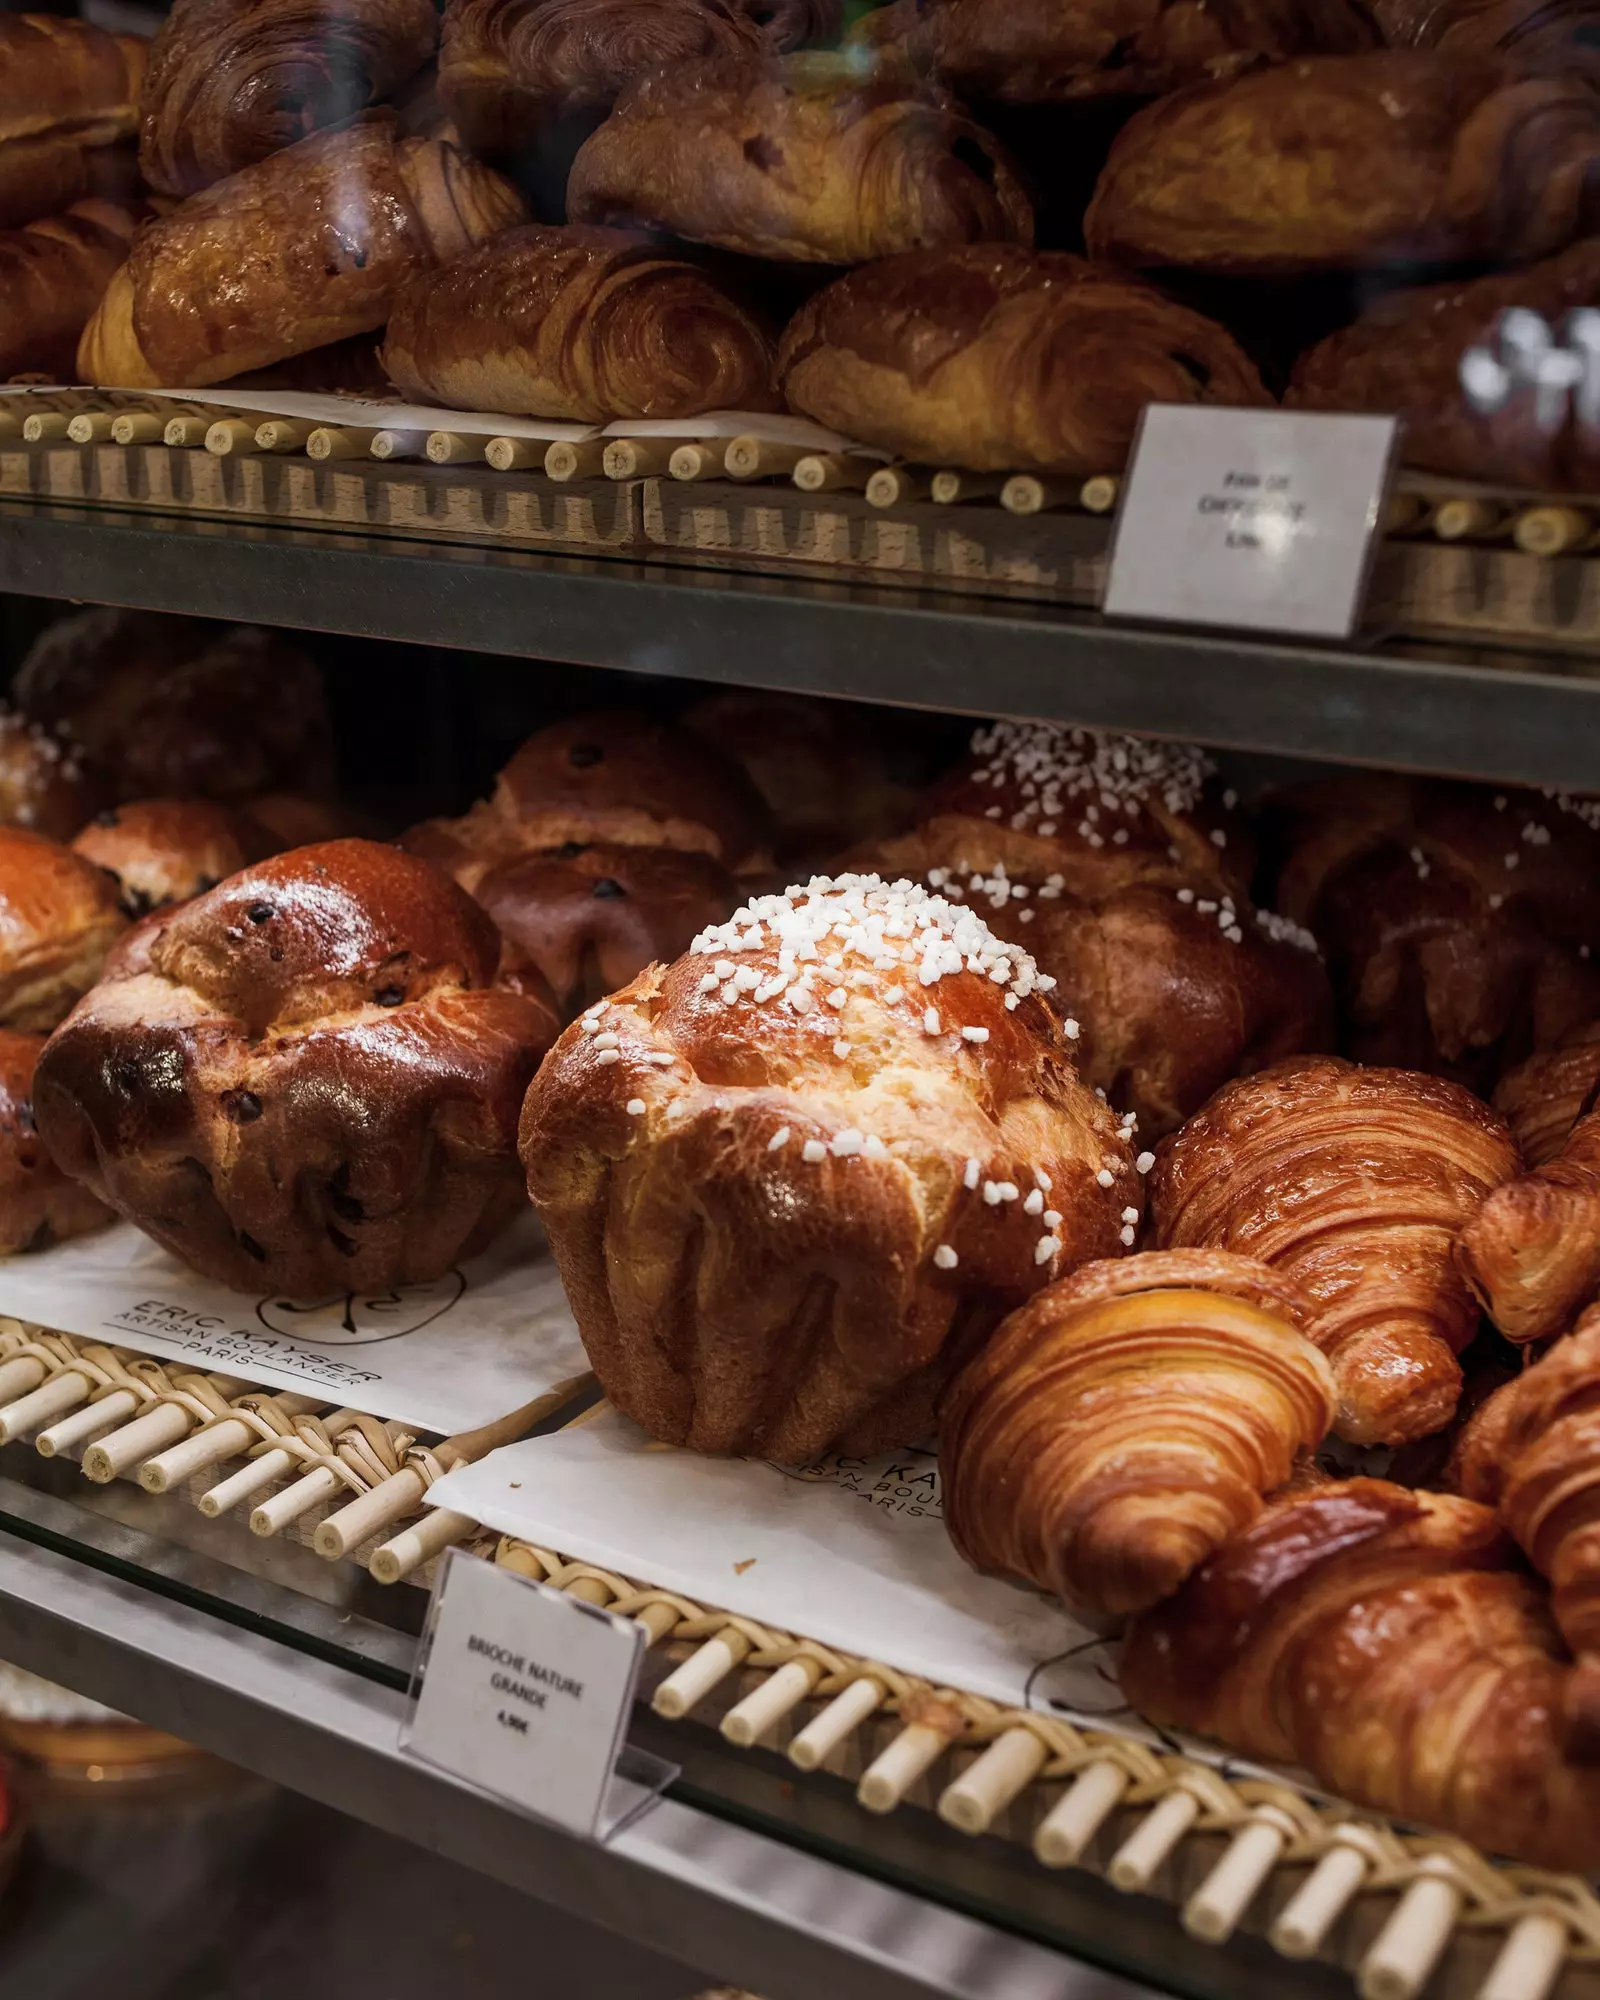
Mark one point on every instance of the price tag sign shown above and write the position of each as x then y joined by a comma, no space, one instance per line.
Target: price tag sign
1266,520
525,1692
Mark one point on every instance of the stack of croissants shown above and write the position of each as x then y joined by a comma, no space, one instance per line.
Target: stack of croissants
976,233
1242,1256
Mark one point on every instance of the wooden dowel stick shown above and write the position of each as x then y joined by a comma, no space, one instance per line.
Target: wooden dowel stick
917,1748
91,426
589,1590
231,437
1407,1949
331,441
1404,514
438,1530
708,1665
1080,1812
758,458
637,458
18,1375
1026,493
696,461
453,448
187,431
988,1785
43,1405
847,1711
892,485
1099,495
1459,519
523,1561
513,454
1320,1901
283,434
246,1482
194,1454
576,461
369,1514
766,1706
1135,1862
45,427
1545,531
137,427
832,472
1529,1960
10,427
658,1620
70,1430
387,444
278,1510
157,1428
1212,1913
952,485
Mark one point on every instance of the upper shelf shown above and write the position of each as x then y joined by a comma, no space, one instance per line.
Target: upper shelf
1494,715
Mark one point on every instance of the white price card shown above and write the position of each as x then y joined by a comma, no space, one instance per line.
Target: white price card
1261,519
525,1692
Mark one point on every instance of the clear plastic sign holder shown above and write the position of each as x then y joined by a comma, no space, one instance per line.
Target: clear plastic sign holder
525,1693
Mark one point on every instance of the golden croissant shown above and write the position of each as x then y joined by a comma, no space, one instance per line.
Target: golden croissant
1543,1098
1532,1251
1127,1421
307,247
579,323
1392,1643
1355,1183
233,80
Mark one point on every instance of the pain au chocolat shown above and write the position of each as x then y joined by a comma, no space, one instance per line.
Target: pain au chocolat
804,159
792,1179
307,247
507,67
1343,162
580,323
997,358
300,1081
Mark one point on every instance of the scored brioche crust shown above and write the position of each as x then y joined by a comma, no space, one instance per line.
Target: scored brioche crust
791,1178
297,1081
160,851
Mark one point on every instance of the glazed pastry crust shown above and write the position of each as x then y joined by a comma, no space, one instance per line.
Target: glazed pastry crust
1342,162
1355,1182
1127,1421
586,324
39,1205
58,919
1390,1642
299,1081
999,359
52,275
754,1256
802,159
306,247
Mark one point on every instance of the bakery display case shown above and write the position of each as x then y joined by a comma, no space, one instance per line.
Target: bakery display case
611,969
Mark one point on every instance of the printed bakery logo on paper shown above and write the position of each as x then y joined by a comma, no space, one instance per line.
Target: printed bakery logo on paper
356,1319
906,1484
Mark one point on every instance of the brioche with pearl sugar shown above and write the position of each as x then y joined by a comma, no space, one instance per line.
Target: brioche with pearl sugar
1355,1182
300,1081
1125,1422
792,1179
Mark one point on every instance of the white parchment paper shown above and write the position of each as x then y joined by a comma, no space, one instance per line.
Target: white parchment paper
481,1341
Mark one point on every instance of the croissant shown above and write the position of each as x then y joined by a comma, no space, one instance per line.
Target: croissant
505,66
68,92
1391,1643
996,358
1037,51
1126,1421
52,275
1173,986
304,248
1552,35
1355,1183
1532,1251
1403,355
1341,162
582,323
803,158
234,80
1458,922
